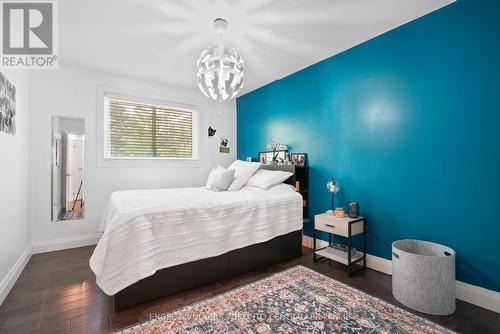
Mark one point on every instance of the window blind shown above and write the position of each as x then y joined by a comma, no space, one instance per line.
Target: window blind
138,130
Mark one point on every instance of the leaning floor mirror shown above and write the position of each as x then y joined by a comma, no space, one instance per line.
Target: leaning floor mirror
68,180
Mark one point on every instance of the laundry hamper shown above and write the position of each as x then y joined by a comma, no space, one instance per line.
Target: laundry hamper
423,276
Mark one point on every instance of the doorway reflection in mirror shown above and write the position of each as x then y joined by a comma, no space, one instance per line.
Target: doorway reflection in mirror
68,143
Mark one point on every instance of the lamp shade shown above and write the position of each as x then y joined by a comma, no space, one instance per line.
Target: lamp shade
333,186
220,73
220,69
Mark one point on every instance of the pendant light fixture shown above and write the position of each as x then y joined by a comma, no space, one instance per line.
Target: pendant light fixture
220,69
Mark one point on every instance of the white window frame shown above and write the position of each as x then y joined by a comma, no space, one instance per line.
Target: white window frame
103,157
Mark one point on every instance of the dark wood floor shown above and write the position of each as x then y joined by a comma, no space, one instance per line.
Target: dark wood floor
57,293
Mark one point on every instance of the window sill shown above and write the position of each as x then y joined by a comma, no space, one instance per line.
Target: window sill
150,159
148,163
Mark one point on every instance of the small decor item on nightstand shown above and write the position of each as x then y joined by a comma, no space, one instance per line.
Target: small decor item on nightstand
353,210
339,212
333,187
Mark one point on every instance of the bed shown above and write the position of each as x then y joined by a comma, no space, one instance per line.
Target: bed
159,242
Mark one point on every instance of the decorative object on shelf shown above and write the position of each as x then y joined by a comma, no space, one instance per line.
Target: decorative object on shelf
220,69
298,159
353,210
340,250
277,147
265,157
224,145
339,212
211,132
272,157
332,186
7,106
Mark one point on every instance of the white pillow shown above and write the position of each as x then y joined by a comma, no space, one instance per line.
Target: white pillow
224,181
219,179
264,178
214,174
243,170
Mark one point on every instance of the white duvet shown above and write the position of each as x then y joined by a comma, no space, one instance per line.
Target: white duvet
147,230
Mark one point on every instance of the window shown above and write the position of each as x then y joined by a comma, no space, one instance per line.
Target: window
135,130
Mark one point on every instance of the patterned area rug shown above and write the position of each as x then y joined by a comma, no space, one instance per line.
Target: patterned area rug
297,300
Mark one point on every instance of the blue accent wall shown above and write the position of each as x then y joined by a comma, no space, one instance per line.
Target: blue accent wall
409,124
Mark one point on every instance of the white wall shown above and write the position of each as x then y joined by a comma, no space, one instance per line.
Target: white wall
71,91
14,185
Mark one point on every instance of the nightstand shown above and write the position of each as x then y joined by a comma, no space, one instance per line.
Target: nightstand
346,227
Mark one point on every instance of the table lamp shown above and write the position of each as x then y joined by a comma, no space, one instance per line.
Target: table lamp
333,186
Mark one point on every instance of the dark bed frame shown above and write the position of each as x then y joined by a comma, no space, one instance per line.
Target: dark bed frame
190,275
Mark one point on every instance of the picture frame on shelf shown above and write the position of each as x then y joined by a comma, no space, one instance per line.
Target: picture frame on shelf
266,157
299,159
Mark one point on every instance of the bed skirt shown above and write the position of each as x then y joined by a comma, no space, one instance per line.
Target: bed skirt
202,272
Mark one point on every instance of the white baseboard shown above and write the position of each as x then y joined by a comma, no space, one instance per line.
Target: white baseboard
10,279
42,247
476,295
473,294
65,243
379,264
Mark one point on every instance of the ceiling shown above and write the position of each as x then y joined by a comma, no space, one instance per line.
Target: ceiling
160,40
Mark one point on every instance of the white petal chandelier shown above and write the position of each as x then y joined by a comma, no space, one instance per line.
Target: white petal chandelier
220,69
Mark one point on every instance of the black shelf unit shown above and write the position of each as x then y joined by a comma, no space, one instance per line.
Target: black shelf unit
302,177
